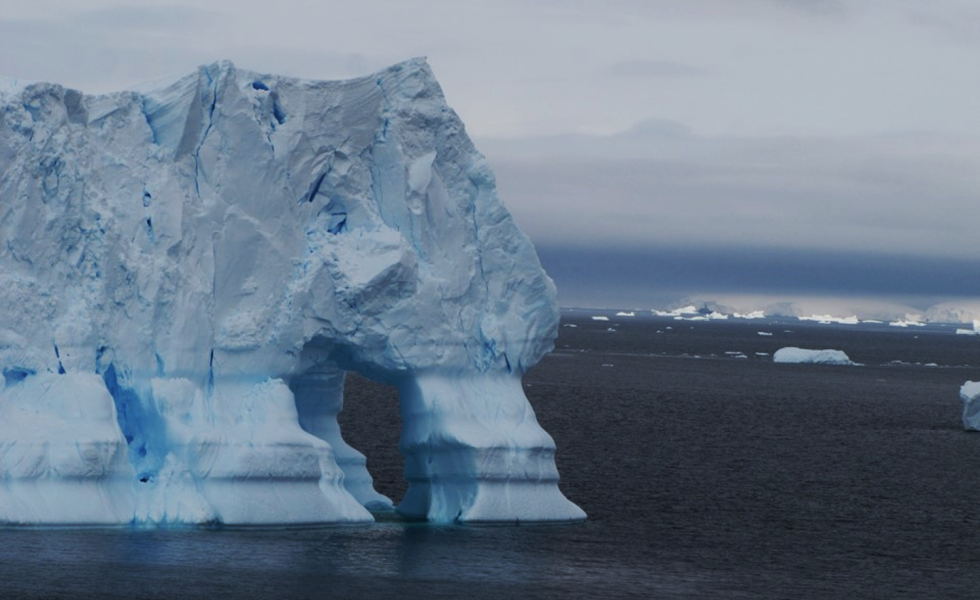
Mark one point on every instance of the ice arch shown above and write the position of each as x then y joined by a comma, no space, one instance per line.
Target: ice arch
186,272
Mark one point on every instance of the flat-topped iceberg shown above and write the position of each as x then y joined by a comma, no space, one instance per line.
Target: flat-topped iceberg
188,273
802,355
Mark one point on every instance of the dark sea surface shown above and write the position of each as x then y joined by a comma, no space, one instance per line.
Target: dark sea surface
704,475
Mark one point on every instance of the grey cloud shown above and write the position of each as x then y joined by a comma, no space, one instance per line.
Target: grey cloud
654,69
958,22
146,18
910,194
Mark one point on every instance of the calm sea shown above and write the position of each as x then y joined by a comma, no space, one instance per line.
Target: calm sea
707,471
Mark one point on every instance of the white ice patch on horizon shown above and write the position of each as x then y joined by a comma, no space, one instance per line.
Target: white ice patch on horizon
828,319
907,323
600,318
677,312
623,313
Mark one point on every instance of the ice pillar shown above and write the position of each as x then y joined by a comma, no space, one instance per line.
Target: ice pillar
474,452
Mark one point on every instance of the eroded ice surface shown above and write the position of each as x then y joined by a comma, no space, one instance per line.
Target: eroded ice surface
187,274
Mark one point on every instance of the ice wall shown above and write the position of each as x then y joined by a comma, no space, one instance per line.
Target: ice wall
186,274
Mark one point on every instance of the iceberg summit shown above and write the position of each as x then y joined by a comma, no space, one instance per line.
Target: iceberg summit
187,273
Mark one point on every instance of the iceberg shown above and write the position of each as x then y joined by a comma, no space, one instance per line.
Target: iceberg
677,312
907,322
828,319
189,272
801,355
970,395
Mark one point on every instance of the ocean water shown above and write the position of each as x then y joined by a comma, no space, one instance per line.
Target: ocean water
705,475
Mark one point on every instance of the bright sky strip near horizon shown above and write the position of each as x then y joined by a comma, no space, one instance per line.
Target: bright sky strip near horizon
631,127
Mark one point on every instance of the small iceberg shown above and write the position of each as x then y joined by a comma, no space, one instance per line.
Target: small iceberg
970,395
600,318
624,313
818,357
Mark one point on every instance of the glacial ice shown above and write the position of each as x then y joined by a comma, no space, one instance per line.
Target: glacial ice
187,274
802,355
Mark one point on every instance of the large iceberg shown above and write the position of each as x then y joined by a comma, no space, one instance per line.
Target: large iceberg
187,273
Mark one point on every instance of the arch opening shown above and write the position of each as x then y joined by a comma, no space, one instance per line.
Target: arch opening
319,395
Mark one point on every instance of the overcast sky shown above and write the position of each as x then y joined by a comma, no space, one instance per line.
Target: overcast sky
778,148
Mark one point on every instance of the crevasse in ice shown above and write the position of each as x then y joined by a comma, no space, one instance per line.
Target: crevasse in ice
187,273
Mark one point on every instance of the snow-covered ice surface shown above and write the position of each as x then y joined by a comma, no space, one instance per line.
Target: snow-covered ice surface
970,395
802,355
189,272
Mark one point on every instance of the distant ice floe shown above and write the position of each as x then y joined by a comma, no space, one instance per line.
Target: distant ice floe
677,312
827,319
763,333
755,314
569,325
712,316
600,318
736,355
967,332
970,395
624,313
821,357
907,323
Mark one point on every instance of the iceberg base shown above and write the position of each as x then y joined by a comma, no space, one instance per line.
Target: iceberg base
475,453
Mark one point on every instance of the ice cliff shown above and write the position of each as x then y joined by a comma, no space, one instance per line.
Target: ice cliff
187,273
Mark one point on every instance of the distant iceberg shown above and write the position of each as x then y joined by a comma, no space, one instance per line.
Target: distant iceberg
828,319
677,312
600,318
907,323
624,313
821,357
